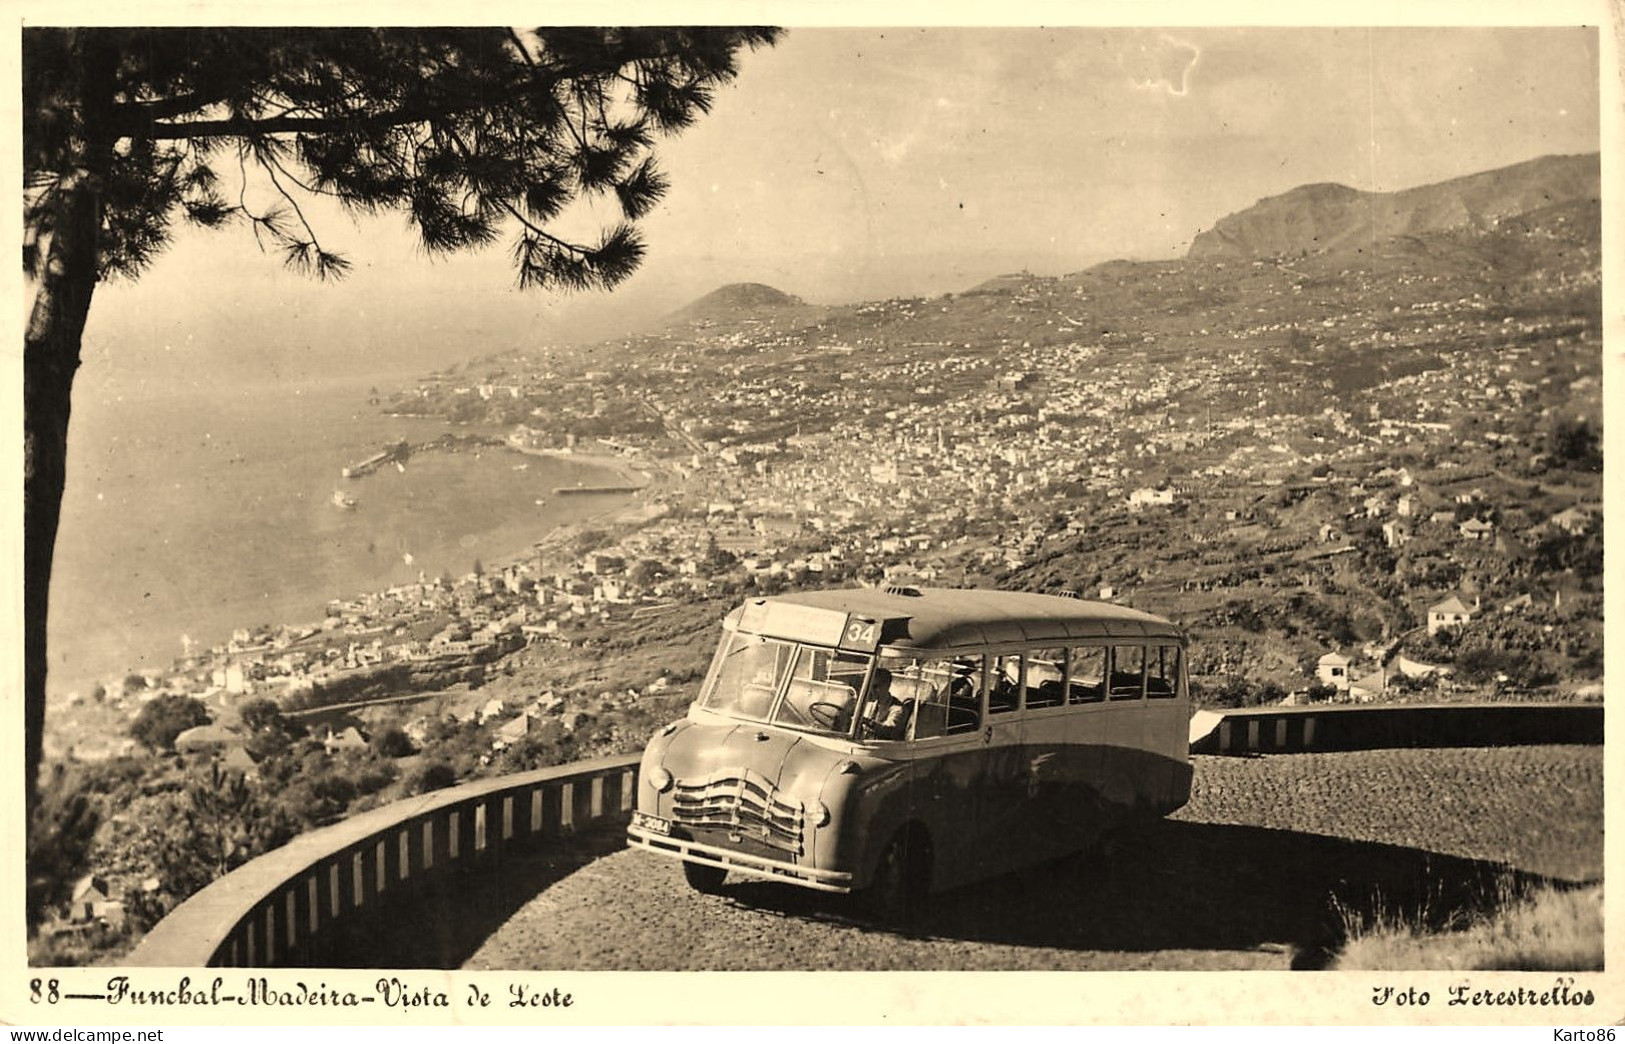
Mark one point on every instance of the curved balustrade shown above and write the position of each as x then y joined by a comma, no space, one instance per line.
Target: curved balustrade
281,909
286,907
1295,730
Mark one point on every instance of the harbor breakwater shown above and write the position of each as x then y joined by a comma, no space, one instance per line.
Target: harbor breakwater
567,490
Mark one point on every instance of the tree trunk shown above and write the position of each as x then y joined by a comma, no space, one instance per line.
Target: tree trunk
50,361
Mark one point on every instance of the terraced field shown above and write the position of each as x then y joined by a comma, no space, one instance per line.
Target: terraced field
1251,874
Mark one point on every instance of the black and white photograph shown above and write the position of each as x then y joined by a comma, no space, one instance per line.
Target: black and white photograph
506,502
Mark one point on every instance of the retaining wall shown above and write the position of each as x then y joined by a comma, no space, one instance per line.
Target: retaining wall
290,906
283,908
1290,730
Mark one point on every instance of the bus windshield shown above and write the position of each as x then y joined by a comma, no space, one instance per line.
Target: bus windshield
822,690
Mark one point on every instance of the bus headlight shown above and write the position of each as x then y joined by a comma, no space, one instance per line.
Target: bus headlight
819,814
661,780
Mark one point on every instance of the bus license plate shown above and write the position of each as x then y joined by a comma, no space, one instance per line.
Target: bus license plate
653,824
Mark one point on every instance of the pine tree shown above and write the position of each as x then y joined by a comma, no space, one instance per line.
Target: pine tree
472,133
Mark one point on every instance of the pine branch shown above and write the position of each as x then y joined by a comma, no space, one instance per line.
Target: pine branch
247,127
270,170
165,108
524,52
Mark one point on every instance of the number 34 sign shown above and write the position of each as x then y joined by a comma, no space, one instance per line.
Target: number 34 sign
860,634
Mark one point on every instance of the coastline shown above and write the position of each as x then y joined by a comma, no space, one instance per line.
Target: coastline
302,554
623,468
637,511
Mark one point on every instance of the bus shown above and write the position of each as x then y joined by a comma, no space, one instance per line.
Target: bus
899,741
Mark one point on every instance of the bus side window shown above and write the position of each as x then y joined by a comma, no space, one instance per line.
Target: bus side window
1088,674
965,695
1128,672
1162,672
1046,678
1004,684
937,713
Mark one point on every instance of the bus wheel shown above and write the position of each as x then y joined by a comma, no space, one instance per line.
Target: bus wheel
702,878
1096,859
1103,854
896,894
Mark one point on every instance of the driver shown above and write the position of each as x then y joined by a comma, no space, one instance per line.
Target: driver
887,716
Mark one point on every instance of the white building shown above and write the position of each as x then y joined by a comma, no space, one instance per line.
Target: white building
1448,613
1146,496
1333,669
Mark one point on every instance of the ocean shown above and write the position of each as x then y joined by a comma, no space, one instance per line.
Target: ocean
196,507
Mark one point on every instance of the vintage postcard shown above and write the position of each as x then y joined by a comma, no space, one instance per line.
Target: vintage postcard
523,524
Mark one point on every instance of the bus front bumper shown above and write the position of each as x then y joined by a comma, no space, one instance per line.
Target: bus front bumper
755,866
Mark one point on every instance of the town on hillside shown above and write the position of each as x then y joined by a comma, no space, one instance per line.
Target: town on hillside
1351,475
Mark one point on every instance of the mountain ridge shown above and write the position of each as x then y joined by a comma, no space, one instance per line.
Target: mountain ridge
1327,216
1504,224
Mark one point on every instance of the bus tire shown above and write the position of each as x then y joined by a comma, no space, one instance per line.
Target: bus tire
896,893
1094,860
1105,853
705,879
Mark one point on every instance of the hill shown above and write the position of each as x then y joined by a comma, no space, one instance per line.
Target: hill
735,301
1330,217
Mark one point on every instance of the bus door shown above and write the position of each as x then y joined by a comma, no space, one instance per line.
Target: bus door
1003,827
1166,734
1124,763
947,758
1055,775
1087,738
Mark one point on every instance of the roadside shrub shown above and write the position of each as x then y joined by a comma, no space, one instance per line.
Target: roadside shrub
393,742
166,717
373,777
435,776
61,831
1477,664
1321,693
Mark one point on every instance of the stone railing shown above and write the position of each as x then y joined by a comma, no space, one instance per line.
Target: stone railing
1295,730
286,907
290,907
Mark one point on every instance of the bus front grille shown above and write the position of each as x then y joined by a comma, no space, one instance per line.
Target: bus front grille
742,803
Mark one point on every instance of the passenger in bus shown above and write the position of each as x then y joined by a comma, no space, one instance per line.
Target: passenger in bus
964,704
1006,687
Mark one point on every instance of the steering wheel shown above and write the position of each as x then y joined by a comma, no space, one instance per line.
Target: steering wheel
825,713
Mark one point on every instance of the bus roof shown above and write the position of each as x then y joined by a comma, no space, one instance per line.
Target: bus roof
945,618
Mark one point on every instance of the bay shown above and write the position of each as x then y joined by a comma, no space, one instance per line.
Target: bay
196,507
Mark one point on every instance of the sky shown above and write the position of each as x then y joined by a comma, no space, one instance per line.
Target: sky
856,164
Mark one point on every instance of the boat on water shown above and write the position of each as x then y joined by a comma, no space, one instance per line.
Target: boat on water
340,500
